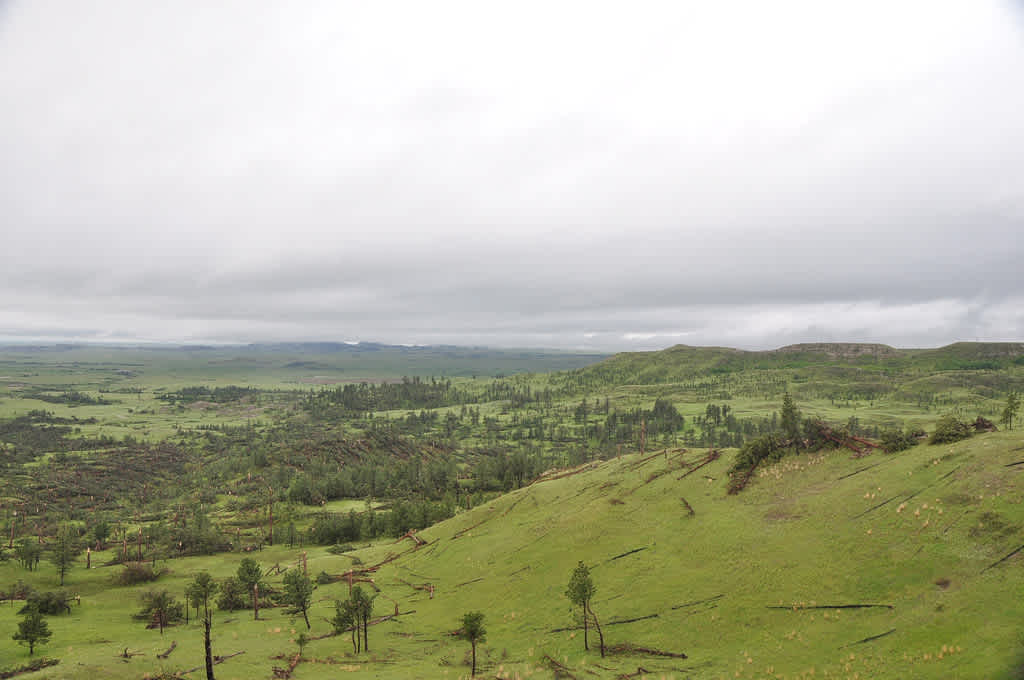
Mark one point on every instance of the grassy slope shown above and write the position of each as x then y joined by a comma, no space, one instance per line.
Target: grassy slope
683,362
797,535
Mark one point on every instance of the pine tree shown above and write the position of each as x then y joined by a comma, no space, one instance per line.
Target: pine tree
298,592
580,592
249,575
199,592
473,632
65,550
1010,410
790,419
32,630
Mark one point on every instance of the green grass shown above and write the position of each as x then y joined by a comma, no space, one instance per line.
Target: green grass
802,534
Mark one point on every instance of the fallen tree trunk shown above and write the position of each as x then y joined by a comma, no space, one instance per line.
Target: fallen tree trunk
561,671
696,602
710,458
628,552
1003,559
216,660
618,622
871,638
627,648
798,607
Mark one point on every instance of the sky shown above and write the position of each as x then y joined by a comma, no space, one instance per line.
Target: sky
606,176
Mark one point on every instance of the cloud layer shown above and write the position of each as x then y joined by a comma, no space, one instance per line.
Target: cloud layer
567,175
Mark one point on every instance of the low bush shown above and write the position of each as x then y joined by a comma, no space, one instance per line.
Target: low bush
894,440
135,573
949,429
50,603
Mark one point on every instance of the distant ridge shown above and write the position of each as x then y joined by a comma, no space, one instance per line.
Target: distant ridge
843,350
681,363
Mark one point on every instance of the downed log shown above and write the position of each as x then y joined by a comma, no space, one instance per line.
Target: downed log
561,671
639,618
696,602
710,458
827,434
216,660
640,672
565,473
984,425
798,607
30,667
382,619
689,508
1002,559
463,532
628,552
857,472
174,643
286,673
609,623
950,525
411,535
627,648
739,482
875,507
871,638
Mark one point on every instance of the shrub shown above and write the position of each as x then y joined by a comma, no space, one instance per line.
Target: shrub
894,440
757,450
50,603
135,573
18,591
340,548
949,429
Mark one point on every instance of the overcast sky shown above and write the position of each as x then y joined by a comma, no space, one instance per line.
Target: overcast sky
561,174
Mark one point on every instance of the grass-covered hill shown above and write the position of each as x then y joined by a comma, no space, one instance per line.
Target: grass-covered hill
888,566
683,363
962,373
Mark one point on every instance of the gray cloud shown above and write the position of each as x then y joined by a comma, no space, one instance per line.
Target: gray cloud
534,174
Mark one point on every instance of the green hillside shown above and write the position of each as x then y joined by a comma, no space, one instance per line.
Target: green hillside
682,362
759,585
